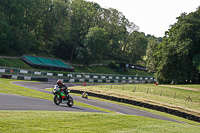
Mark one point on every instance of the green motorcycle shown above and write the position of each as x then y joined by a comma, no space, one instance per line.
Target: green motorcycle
61,97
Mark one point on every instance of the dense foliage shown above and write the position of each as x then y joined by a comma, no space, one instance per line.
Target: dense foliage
81,31
70,29
177,58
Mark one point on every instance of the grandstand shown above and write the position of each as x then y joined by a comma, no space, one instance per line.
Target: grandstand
46,63
33,60
60,63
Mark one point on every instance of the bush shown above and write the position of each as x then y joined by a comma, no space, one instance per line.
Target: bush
112,65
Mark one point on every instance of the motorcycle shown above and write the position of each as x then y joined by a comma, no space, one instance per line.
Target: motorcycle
85,95
61,97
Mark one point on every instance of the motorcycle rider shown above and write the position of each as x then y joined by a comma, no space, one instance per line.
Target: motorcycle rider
62,87
84,94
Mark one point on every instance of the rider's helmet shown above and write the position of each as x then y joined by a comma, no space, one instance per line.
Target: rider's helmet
59,83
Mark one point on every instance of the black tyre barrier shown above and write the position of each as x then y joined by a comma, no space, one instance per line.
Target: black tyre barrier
39,79
6,76
145,105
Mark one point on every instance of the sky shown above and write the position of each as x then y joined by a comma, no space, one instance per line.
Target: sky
152,16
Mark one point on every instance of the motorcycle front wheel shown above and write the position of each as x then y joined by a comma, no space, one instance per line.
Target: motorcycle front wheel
71,102
57,100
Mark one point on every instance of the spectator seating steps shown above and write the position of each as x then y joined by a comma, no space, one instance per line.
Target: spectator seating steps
33,60
60,63
45,62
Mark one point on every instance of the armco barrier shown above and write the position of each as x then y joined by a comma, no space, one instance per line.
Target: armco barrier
40,78
94,76
107,81
145,105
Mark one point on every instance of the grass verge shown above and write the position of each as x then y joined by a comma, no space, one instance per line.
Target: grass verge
48,121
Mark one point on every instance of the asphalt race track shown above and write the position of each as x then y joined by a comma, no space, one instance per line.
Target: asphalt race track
14,102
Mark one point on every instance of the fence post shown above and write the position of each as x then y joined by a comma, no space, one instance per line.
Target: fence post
134,89
188,99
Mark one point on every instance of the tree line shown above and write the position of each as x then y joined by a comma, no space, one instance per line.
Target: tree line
77,30
69,29
177,58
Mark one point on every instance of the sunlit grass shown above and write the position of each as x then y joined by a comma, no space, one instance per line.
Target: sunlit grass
49,121
158,95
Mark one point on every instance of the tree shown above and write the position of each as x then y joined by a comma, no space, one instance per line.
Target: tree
179,49
150,54
81,19
83,56
47,26
96,42
118,28
6,37
136,47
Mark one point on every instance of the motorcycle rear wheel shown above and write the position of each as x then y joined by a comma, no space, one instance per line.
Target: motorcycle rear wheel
57,100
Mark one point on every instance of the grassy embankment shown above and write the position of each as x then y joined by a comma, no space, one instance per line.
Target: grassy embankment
169,97
17,63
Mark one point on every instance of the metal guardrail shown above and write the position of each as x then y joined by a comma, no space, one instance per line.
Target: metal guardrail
46,79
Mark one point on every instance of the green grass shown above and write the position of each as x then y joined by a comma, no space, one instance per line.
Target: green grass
16,63
157,95
94,69
107,70
49,121
9,88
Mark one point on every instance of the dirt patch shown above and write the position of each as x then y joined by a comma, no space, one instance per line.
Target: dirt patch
185,88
